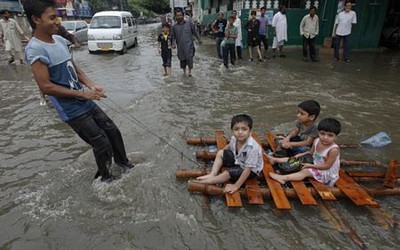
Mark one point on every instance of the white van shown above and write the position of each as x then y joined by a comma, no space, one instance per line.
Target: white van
112,31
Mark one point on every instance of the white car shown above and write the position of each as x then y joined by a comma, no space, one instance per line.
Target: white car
78,28
112,31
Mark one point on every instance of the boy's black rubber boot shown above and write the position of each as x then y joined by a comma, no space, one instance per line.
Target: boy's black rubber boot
108,178
125,167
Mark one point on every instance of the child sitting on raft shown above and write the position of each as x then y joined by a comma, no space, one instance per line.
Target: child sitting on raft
326,157
301,138
242,157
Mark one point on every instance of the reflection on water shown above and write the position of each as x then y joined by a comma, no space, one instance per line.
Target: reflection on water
49,202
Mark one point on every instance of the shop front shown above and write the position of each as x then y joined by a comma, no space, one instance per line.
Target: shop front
366,33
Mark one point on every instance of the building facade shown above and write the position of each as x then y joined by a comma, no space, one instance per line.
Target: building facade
365,34
11,5
71,9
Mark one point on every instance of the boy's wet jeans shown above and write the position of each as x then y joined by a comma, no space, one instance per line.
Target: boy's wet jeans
229,51
218,42
239,52
99,131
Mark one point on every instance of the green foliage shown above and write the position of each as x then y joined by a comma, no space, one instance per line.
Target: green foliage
148,7
155,6
99,5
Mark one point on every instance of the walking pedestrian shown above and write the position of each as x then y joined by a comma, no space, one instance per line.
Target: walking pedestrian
218,27
263,31
230,37
238,41
309,28
342,31
279,24
182,38
164,48
10,36
62,80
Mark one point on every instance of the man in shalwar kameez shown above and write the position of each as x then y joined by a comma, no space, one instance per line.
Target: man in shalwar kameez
182,37
10,35
279,25
238,41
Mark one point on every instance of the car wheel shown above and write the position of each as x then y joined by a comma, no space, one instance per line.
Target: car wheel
91,52
135,43
124,49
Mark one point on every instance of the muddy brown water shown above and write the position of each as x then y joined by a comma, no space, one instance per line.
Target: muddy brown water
48,199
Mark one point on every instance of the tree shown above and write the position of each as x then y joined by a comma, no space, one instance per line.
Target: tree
148,7
101,5
156,6
98,5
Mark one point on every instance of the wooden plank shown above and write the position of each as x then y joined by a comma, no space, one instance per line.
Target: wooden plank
384,218
322,190
354,191
220,139
253,192
232,200
303,193
390,177
370,174
341,224
271,140
277,192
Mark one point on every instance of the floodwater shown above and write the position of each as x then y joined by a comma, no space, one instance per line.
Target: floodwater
48,199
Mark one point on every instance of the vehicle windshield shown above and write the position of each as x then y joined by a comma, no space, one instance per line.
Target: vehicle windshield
105,22
70,26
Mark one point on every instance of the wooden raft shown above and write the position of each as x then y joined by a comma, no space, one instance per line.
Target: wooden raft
346,186
302,191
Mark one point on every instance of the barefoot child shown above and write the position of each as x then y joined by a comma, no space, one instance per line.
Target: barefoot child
242,157
302,136
326,156
164,48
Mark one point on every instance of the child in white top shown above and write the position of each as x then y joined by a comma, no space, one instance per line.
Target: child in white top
242,156
326,157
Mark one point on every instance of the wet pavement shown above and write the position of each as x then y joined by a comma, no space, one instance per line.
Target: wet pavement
48,199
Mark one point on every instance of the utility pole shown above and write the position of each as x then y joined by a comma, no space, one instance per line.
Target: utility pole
120,3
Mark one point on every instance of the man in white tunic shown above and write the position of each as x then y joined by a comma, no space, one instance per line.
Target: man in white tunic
342,30
238,41
279,25
10,35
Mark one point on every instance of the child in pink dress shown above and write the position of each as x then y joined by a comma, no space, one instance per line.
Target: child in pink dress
326,157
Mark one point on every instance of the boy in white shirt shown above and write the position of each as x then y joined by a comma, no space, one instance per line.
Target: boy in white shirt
243,157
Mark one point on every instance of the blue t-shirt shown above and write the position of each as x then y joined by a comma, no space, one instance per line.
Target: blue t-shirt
263,25
62,72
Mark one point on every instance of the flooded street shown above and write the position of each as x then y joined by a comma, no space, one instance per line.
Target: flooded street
48,199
